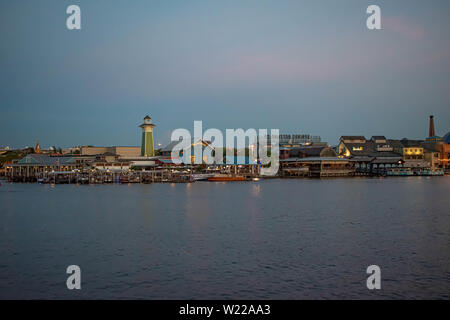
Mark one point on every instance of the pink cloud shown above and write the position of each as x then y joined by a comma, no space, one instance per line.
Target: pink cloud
403,27
298,64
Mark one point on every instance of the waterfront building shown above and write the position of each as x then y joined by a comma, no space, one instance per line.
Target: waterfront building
377,146
444,150
431,153
207,149
316,167
446,138
110,163
371,156
414,157
353,139
167,162
436,149
116,150
147,146
295,140
115,162
407,143
146,149
432,156
413,153
71,150
31,165
307,151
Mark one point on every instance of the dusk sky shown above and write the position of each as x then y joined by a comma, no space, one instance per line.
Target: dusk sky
298,66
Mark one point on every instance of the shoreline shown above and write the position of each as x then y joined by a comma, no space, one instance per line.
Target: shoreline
256,179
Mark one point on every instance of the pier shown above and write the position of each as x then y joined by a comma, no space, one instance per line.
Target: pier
158,175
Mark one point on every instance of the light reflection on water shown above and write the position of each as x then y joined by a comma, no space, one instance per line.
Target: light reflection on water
271,239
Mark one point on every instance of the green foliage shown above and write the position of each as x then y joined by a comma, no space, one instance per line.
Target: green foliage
12,155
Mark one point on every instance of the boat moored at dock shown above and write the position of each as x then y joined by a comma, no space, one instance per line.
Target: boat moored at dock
223,178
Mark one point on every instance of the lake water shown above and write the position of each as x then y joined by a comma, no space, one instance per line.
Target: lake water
271,239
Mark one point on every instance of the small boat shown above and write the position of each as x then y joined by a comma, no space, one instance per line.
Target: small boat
62,180
400,172
429,172
226,178
202,176
84,180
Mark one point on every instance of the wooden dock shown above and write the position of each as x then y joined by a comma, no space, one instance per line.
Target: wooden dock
120,177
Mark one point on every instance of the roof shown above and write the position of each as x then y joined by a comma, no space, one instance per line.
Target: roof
314,159
379,137
396,144
307,151
353,137
369,149
46,160
85,147
386,160
166,161
172,144
430,146
108,154
362,159
446,138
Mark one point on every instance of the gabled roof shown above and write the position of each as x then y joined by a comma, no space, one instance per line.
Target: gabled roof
315,159
384,160
302,152
353,138
446,138
430,146
306,151
369,149
172,144
396,144
43,159
166,161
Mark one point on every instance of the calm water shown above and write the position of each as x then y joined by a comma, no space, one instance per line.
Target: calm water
272,239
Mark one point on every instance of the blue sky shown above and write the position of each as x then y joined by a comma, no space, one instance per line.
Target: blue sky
298,66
